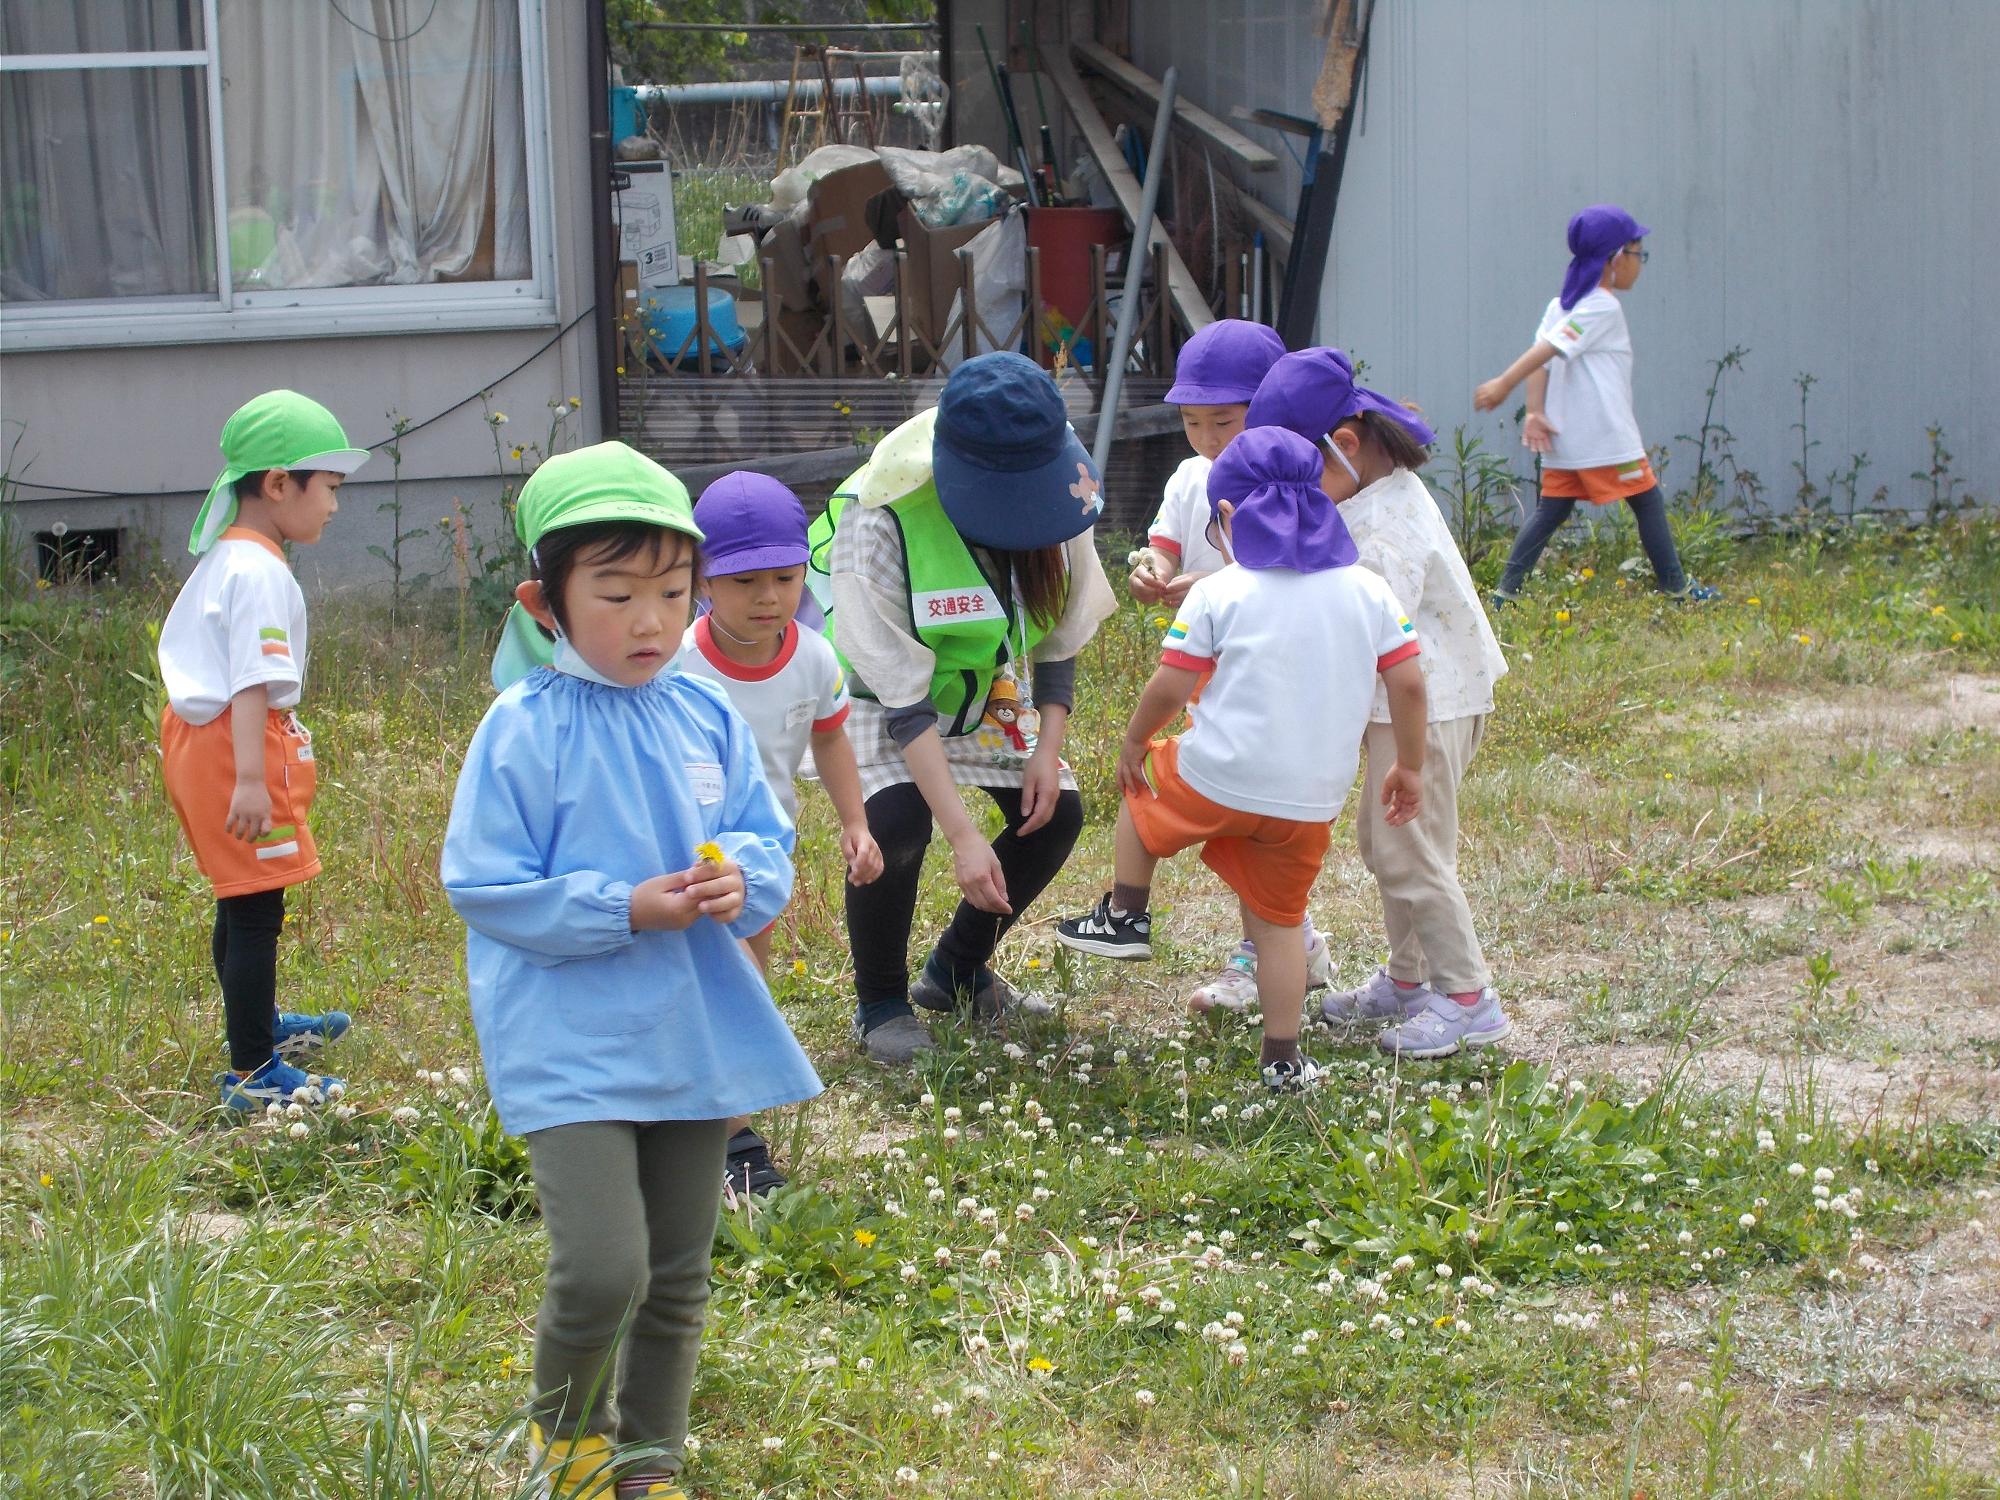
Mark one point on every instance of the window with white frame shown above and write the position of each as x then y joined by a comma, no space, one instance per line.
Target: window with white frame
243,159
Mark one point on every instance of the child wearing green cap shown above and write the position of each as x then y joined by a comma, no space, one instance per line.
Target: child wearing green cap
237,763
612,842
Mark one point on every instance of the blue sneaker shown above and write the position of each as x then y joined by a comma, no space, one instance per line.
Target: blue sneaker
1698,593
301,1036
1500,600
277,1082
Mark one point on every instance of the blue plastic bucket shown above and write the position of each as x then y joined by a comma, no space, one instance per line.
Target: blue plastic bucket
669,315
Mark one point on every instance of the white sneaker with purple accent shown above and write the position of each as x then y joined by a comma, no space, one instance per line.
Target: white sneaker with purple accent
1380,999
1444,1026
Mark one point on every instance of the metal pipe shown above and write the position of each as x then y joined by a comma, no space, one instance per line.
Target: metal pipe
767,90
1135,260
603,248
791,28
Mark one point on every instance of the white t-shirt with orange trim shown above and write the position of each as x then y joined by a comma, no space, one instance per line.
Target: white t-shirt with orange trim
800,692
1294,658
238,621
1590,386
1181,527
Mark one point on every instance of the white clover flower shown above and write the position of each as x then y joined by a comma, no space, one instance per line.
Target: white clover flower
299,1130
906,1475
1803,1139
989,1260
1396,1334
1023,1212
864,1364
935,1195
950,1134
1685,1388
1238,1354
1123,1315
1408,1262
1746,1221
459,1076
1144,1397
978,1345
927,1099
1013,1052
1441,1271
1823,1174
1562,1226
940,1409
773,1443
1685,1237
986,1106
295,1111
909,1272
968,1206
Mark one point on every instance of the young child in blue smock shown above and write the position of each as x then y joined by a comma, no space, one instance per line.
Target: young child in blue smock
612,839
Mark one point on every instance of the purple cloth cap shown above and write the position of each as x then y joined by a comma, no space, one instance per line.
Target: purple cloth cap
750,522
1282,518
1224,363
1595,235
1313,391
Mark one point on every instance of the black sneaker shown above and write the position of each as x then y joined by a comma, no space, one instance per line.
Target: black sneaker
748,1169
1108,935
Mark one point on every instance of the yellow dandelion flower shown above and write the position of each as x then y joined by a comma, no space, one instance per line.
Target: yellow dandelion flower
1957,636
1803,639
1670,775
1937,609
575,402
41,583
1562,617
864,1237
516,453
621,369
799,967
1034,963
708,852
1040,1365
100,920
48,1179
1589,573
1753,599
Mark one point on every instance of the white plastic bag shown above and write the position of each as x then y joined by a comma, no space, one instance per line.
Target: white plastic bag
789,187
999,282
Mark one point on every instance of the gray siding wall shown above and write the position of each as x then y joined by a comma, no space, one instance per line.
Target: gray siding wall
1818,175
147,419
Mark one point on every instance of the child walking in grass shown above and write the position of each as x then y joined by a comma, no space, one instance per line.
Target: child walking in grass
1216,373
612,842
1579,374
785,681
1435,992
1286,647
238,765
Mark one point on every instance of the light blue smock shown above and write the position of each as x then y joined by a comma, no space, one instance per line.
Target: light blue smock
573,792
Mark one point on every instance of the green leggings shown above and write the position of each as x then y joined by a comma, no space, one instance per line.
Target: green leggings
631,1212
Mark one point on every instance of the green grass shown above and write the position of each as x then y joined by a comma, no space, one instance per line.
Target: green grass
1692,837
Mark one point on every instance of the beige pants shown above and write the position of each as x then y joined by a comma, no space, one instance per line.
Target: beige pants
1416,866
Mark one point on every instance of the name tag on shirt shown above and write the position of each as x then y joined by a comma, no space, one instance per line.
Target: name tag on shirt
799,713
705,780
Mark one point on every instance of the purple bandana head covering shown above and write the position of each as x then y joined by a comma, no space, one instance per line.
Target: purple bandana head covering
1313,391
1595,235
1223,364
1282,518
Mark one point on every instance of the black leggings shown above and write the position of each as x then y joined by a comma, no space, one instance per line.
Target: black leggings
1649,509
879,916
246,963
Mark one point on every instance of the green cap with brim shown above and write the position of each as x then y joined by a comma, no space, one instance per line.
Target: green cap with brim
277,430
605,482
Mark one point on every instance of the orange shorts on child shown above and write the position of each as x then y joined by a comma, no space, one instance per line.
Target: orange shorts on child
1601,485
1270,862
200,767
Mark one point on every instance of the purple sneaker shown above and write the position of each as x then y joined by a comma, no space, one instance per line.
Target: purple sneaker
1380,999
1444,1026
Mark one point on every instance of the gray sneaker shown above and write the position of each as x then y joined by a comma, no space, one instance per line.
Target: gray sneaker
1444,1026
1378,1000
993,998
896,1042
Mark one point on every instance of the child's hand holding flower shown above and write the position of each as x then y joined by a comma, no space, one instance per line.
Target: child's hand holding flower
714,883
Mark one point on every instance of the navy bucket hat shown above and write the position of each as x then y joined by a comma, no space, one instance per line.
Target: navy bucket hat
1009,469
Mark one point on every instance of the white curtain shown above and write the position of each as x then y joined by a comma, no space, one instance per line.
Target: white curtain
103,172
374,142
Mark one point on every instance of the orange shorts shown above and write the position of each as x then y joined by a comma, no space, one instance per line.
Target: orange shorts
1601,485
1271,863
199,761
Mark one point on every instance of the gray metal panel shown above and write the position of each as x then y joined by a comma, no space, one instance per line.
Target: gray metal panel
1818,175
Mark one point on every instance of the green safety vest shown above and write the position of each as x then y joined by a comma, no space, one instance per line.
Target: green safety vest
970,620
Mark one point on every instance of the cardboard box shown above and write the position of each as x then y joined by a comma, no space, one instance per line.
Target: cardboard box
837,215
644,213
931,271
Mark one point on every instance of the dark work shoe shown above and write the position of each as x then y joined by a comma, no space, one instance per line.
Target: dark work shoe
1108,934
894,1042
992,998
748,1166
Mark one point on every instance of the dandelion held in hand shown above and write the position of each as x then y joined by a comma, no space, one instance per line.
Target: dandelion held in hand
708,852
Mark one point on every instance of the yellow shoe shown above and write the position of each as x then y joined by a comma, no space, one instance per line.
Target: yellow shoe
650,1487
578,1468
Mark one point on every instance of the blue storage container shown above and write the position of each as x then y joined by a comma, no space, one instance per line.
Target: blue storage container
669,315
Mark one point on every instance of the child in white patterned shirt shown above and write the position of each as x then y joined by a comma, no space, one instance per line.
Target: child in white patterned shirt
1435,991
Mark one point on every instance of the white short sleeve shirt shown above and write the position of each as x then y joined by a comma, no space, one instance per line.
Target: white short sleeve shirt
1590,386
238,621
1401,534
1182,524
798,693
1277,729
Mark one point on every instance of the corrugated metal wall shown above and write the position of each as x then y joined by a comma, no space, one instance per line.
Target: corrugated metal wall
1819,176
